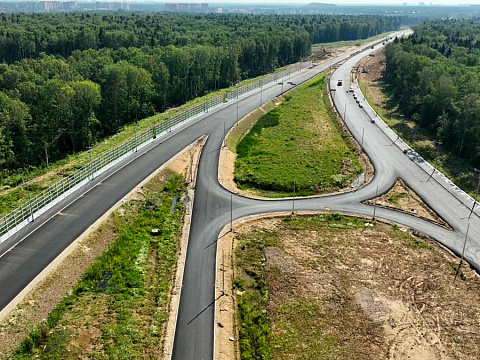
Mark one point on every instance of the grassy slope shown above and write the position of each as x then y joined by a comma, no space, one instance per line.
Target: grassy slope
118,308
299,141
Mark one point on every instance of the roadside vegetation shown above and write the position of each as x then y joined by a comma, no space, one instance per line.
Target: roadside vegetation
432,79
118,308
331,287
299,142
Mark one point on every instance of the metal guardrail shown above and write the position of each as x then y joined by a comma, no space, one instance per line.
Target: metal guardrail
44,200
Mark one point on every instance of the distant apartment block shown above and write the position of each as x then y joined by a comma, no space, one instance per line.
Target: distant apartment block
112,5
191,8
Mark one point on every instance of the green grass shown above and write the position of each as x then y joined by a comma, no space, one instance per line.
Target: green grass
299,141
254,324
122,295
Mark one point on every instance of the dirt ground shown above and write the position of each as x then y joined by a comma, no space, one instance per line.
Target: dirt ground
39,299
374,65
401,197
406,290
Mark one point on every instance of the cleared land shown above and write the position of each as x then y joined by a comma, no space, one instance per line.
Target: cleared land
379,97
335,287
301,143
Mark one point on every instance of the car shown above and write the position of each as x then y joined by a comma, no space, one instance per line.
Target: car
358,101
355,96
372,121
351,89
360,105
339,82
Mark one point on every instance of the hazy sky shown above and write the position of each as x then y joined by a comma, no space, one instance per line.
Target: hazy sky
340,2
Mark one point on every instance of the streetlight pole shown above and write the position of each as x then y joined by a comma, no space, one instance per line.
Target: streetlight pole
29,201
293,203
90,161
231,212
375,204
434,167
476,195
261,92
463,253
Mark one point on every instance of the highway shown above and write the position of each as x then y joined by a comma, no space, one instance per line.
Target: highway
39,244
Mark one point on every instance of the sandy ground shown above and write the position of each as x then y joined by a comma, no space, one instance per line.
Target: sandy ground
401,197
408,293
34,304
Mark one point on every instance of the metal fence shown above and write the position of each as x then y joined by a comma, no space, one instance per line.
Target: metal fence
47,198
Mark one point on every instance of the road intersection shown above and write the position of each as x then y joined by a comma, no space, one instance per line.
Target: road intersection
194,338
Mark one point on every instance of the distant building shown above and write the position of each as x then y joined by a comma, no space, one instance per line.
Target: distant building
48,5
104,5
190,8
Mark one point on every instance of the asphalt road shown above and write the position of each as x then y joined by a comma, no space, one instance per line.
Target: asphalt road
56,229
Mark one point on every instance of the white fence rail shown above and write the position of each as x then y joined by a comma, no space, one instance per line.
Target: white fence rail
41,202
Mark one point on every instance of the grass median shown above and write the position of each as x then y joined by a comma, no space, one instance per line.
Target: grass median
300,144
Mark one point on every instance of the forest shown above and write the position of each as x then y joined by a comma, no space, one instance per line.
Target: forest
435,77
69,80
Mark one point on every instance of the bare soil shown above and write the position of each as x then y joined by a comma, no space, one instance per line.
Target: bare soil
394,290
42,296
401,197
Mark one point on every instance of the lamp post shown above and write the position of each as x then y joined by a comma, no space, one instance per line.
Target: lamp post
90,161
476,194
29,200
435,161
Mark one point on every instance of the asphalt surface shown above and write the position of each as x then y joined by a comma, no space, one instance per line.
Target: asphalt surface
38,244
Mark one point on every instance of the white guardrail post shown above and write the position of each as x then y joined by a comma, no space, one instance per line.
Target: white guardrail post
16,219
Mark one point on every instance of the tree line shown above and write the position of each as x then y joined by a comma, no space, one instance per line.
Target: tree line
69,80
435,78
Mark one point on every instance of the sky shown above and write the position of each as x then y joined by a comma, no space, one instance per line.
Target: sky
337,2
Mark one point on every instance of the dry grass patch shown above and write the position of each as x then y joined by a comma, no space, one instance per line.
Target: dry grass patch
329,287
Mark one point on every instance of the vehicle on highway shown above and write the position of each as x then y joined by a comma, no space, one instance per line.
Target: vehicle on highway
339,82
355,96
358,101
372,121
360,105
351,89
